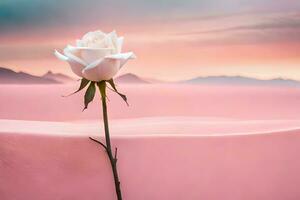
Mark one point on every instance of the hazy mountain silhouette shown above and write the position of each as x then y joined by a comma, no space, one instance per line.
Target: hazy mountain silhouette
239,80
8,76
130,78
57,77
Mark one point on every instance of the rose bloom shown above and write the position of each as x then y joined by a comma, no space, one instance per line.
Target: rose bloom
97,56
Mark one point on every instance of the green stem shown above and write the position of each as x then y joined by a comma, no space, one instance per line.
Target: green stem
112,159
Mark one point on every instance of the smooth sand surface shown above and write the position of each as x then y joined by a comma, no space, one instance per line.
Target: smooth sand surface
44,102
174,142
258,166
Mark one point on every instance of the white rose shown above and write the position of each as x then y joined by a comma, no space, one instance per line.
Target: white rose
97,56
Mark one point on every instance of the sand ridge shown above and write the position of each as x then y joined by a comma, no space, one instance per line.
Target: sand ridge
152,126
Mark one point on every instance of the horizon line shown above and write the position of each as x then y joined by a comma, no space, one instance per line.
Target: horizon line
162,80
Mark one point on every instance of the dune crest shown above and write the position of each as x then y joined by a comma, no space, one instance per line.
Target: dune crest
152,126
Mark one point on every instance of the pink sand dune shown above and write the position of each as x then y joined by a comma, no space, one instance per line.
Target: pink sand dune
59,165
44,102
179,142
151,126
261,167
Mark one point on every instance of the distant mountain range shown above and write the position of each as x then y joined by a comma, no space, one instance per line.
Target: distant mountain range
8,76
239,80
61,78
130,78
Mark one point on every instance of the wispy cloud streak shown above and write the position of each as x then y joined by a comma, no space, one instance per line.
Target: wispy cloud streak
276,24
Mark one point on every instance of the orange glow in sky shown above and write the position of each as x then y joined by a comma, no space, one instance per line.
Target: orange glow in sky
176,46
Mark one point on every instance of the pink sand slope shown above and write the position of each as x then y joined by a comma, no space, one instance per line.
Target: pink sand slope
178,142
44,102
243,165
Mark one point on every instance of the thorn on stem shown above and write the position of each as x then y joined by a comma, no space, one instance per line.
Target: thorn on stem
116,152
99,143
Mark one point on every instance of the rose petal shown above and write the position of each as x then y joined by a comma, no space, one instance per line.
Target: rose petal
99,34
75,66
120,44
74,54
79,43
108,42
90,55
113,35
60,56
114,39
103,69
123,57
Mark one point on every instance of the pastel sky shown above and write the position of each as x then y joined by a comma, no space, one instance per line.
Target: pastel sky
173,39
